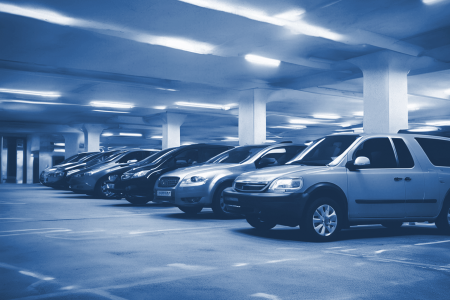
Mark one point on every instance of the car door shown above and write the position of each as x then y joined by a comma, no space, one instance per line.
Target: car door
377,191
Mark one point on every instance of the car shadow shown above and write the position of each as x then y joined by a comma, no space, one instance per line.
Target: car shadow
147,205
353,233
203,215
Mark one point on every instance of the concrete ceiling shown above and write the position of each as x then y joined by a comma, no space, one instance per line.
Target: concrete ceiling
155,53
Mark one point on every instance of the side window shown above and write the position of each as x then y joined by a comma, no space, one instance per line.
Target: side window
379,151
130,156
405,159
207,153
188,157
438,151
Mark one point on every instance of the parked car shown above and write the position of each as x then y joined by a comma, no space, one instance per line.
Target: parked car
93,180
193,188
136,185
351,179
59,178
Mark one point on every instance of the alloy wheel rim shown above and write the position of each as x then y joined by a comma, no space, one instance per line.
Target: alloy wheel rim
448,216
325,220
105,191
223,206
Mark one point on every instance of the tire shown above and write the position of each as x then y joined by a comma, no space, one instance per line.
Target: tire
323,230
191,210
137,200
218,206
101,191
443,220
255,221
392,224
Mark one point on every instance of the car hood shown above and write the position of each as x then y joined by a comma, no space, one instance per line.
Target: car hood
271,173
204,169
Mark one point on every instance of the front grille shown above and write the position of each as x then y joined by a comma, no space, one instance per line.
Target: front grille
250,187
168,181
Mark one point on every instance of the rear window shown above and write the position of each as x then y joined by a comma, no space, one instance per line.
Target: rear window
438,151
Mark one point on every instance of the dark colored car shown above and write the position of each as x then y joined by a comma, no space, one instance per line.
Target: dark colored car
60,177
137,184
93,180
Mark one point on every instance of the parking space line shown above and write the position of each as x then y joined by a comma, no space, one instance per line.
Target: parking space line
36,232
38,276
266,296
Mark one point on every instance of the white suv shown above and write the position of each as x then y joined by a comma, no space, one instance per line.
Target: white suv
349,179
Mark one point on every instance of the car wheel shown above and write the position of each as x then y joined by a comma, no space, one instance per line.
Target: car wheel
443,220
392,224
323,220
218,205
137,200
191,210
255,221
101,190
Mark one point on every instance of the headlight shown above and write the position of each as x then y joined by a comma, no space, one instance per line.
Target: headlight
112,178
59,173
126,176
193,181
286,185
141,173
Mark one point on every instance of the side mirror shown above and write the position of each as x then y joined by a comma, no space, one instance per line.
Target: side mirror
181,163
361,162
265,161
131,161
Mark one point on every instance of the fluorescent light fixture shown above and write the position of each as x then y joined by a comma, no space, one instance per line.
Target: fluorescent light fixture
159,107
203,105
424,129
232,138
112,111
59,150
447,92
326,116
156,137
345,124
107,134
59,144
270,141
438,123
256,59
163,89
303,121
187,144
413,107
358,114
296,127
111,104
291,15
152,149
130,134
34,93
431,2
35,102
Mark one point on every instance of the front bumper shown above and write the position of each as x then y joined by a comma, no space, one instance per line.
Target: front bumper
284,209
82,184
185,196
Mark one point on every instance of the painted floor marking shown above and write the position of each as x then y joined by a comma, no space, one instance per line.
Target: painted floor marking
36,232
13,203
265,296
279,260
38,276
240,264
34,229
430,243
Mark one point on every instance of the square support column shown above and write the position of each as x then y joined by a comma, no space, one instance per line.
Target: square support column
252,116
171,129
385,90
92,134
72,143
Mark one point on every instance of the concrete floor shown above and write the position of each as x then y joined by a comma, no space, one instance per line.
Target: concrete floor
59,245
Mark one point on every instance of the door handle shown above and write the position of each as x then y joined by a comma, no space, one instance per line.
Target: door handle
398,178
407,178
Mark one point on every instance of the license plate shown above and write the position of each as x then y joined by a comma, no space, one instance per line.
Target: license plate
164,193
110,185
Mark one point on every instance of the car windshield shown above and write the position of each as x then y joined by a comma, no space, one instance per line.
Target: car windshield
104,156
236,155
323,151
156,157
70,159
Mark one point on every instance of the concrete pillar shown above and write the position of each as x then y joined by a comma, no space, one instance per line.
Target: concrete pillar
171,129
92,134
252,116
385,90
72,143
1,159
33,144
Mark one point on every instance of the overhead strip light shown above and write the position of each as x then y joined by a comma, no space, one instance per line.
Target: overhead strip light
438,123
111,104
326,116
130,134
34,93
107,134
59,150
112,111
59,144
431,2
303,121
35,102
169,90
204,105
424,129
156,137
296,127
256,59
159,107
